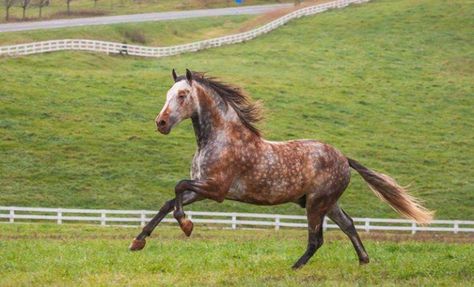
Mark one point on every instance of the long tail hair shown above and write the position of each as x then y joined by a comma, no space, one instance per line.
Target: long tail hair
388,190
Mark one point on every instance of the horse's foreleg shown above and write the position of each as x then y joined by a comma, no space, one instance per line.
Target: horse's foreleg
202,188
139,242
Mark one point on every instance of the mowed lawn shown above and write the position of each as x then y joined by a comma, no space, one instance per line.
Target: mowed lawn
71,255
390,83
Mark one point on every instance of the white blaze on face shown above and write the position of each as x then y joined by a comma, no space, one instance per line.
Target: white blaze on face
172,104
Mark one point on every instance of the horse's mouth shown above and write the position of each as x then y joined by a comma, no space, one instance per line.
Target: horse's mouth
164,130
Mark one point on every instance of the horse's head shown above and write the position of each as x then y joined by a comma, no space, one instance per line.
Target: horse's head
180,103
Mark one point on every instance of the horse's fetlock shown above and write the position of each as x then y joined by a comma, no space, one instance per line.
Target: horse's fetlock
146,231
319,243
178,214
364,260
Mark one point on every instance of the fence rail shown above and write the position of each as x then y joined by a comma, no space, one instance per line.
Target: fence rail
231,220
143,51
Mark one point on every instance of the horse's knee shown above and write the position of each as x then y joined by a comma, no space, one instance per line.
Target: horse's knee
181,186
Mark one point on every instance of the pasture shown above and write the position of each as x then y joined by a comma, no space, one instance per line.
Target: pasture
148,33
44,254
389,83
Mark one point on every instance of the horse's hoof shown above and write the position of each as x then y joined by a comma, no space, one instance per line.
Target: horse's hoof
137,244
187,226
364,261
297,266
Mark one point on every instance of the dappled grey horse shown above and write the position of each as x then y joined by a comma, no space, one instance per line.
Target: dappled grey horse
234,162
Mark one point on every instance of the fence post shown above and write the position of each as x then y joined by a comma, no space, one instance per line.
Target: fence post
234,221
102,218
12,214
277,222
60,215
325,223
456,227
367,225
413,228
142,218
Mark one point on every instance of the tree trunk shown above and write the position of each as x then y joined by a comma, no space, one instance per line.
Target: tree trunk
24,13
68,7
7,13
40,10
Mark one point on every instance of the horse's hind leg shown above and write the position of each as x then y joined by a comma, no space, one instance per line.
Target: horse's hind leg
315,210
347,226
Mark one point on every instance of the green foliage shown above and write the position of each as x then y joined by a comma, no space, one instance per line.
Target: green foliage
389,83
50,255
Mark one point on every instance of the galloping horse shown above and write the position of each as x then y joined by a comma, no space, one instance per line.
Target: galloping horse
234,162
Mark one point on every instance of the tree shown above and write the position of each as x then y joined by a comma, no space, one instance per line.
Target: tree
24,4
68,2
8,5
41,4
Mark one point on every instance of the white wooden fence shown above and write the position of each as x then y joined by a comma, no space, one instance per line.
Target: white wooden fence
231,220
136,50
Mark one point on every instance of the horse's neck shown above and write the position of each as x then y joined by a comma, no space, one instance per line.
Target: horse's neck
214,120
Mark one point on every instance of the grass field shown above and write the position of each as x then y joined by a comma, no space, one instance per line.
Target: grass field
50,255
88,8
148,33
390,83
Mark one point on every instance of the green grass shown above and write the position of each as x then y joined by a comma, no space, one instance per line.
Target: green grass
86,8
50,255
148,33
390,83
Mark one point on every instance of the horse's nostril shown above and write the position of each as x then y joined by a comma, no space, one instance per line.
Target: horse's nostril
162,123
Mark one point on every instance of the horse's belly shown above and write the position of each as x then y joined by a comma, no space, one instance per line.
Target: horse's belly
267,191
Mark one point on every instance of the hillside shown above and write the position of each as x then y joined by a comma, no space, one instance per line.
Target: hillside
389,83
161,33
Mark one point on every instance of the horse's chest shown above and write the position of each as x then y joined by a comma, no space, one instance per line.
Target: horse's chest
204,162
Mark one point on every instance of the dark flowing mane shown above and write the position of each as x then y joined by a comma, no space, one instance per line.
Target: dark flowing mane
249,112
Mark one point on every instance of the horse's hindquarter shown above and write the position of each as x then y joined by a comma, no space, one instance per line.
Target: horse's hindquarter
279,172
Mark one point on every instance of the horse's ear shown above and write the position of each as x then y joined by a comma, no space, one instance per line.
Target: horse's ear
174,75
189,76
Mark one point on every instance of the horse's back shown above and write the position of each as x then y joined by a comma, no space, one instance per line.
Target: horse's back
285,171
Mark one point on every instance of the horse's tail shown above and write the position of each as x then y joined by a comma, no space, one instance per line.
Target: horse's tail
388,190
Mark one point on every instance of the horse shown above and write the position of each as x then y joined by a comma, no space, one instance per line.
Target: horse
233,161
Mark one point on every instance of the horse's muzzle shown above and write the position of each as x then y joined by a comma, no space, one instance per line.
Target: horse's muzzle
163,127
